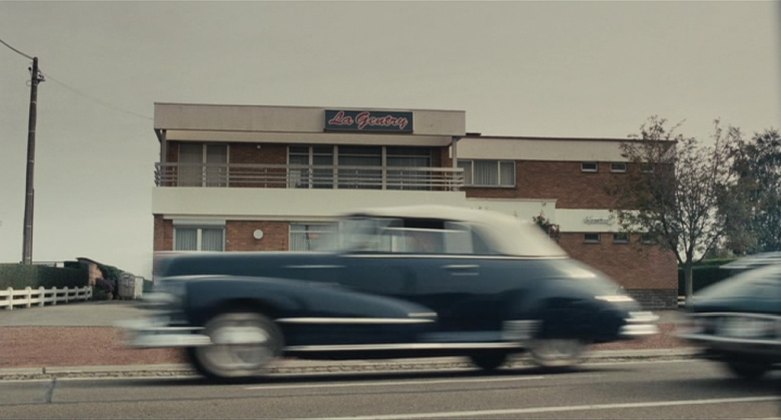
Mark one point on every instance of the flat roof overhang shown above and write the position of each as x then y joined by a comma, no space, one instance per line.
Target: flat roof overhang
284,124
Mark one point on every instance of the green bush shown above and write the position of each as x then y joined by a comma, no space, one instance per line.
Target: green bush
19,276
704,275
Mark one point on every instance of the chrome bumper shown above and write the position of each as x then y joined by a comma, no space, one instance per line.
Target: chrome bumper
155,333
640,324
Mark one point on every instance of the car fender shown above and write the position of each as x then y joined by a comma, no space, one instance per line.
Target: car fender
284,298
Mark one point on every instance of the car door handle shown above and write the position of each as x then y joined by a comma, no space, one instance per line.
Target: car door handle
462,269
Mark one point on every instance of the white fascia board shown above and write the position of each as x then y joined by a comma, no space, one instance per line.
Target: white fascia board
577,150
308,138
587,220
285,204
520,208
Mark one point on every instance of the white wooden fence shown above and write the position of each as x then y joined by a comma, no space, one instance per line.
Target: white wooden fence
27,297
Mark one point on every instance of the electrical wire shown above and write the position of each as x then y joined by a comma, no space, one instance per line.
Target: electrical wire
14,49
96,100
76,91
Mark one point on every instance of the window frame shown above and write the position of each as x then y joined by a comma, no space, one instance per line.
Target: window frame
586,239
327,229
470,177
621,238
622,170
583,167
199,228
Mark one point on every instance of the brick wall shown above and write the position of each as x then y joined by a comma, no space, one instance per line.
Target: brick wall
239,236
563,181
633,265
164,234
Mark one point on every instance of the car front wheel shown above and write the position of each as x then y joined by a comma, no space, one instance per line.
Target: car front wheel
557,353
747,370
242,345
488,360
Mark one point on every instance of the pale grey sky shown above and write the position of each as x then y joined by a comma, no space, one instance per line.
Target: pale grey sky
559,69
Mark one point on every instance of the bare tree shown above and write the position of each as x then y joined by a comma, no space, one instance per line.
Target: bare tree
673,190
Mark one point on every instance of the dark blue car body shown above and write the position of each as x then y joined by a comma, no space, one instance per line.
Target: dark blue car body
475,293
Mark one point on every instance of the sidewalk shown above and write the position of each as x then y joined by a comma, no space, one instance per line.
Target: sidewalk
80,339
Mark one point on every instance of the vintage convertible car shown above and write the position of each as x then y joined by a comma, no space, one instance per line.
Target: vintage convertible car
397,282
738,321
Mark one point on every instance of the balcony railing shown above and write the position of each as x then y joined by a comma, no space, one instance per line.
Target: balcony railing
239,175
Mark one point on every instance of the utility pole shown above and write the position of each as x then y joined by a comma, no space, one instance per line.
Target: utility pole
27,238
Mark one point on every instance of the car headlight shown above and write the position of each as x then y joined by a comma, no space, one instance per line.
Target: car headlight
746,327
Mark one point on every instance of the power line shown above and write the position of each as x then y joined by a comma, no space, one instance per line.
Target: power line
14,49
76,91
96,100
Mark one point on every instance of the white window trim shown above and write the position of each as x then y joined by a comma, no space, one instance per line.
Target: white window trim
620,241
589,170
199,227
618,171
498,170
592,241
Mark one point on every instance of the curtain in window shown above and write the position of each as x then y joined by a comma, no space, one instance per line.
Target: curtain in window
308,237
485,172
507,173
216,174
212,239
186,239
190,165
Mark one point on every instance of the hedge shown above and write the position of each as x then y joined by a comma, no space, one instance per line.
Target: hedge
703,276
19,276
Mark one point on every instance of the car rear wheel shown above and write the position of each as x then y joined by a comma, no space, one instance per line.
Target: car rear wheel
488,360
242,345
747,370
557,353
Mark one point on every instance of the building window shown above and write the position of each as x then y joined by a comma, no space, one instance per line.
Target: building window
647,239
364,167
647,168
195,238
488,173
621,238
618,167
589,167
591,238
203,165
310,236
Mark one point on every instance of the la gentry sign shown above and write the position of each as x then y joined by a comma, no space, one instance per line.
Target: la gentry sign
368,121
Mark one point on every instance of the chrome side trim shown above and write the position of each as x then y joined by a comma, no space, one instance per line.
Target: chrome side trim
353,321
169,340
733,314
456,256
315,266
720,339
638,330
404,346
642,317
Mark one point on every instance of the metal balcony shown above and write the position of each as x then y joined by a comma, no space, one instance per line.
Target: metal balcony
239,175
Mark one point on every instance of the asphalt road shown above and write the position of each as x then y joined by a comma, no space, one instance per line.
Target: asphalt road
650,390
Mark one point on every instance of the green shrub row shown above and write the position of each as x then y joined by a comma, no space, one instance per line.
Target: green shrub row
19,276
702,277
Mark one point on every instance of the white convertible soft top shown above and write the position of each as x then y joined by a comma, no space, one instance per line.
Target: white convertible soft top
505,234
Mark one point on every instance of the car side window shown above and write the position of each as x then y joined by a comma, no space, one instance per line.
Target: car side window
417,238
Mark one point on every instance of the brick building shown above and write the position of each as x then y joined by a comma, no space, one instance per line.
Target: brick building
269,178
